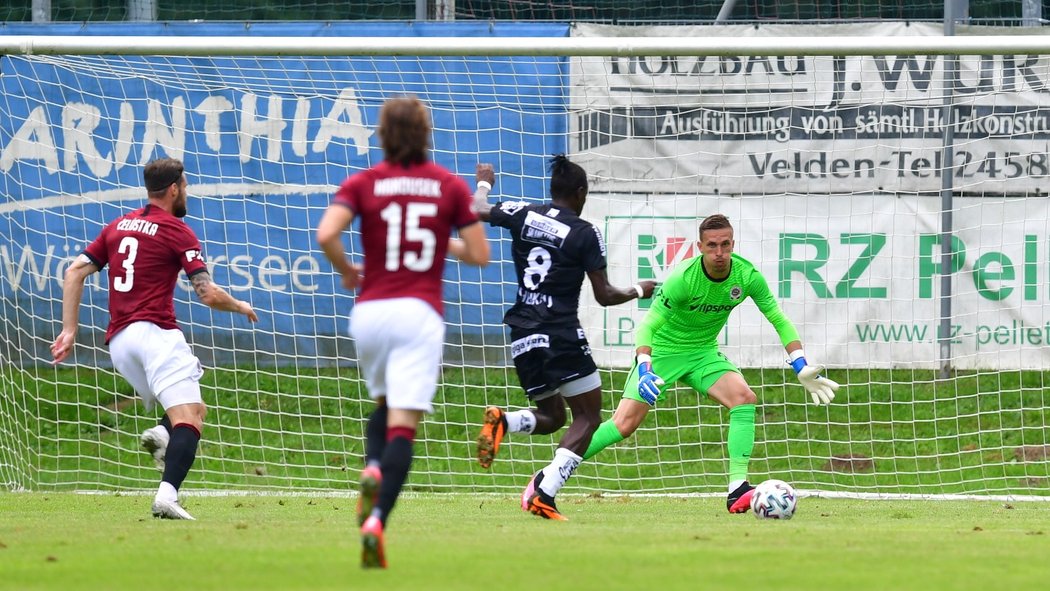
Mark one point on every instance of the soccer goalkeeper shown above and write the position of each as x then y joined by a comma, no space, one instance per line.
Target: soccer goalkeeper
677,341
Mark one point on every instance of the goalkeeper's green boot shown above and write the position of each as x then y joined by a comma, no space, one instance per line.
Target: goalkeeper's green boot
368,492
739,500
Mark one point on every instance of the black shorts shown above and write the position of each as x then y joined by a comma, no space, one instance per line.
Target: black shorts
549,356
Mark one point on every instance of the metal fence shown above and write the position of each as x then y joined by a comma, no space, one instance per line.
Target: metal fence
1008,12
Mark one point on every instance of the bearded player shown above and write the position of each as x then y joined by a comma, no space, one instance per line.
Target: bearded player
145,250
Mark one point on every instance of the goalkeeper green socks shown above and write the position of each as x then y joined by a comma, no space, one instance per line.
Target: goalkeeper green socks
741,440
606,435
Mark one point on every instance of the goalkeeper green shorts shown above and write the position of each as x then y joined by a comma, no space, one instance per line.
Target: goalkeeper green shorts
699,371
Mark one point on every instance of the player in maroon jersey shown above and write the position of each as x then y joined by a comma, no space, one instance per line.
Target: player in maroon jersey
408,207
145,250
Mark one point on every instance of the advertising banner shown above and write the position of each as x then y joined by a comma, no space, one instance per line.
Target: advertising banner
860,278
266,141
830,169
809,124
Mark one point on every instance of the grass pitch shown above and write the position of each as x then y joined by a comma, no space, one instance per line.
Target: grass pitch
64,541
294,428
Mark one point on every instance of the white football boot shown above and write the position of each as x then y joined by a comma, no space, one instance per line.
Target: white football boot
170,510
155,441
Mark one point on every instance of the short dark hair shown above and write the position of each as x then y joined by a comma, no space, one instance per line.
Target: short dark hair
404,130
566,177
162,173
715,221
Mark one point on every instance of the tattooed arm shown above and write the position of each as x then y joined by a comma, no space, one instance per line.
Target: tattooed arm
217,298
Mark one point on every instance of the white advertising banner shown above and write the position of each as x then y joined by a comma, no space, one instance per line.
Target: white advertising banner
860,277
830,170
807,124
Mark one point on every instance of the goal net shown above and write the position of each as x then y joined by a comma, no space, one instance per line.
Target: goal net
893,196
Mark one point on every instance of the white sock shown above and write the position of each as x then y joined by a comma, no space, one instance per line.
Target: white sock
167,492
558,472
735,485
521,421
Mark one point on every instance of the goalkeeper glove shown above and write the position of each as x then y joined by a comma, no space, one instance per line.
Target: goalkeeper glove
648,382
819,387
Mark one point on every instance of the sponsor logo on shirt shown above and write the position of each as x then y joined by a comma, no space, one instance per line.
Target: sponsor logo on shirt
544,230
526,344
512,207
601,240
697,305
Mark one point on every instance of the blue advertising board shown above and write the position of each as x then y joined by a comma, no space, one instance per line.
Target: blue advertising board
265,141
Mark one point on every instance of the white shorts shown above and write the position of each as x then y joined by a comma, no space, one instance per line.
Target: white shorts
576,387
399,345
153,360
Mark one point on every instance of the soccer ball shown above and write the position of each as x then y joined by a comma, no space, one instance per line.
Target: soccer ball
774,499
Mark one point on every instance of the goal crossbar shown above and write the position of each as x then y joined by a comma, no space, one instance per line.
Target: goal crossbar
537,46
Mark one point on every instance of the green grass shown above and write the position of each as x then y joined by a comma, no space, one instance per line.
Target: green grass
65,541
302,429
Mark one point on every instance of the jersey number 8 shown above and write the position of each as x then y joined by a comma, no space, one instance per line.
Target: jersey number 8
539,260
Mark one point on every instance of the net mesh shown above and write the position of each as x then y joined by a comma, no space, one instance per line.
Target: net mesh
837,204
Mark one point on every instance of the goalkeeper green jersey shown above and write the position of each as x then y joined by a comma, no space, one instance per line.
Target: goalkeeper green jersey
691,308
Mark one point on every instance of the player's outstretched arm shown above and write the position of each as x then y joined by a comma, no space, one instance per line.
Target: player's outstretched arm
819,387
610,295
217,298
72,292
485,177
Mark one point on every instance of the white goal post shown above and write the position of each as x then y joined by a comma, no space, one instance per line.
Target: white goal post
624,46
889,182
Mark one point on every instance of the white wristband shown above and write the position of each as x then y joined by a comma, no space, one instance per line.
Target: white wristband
641,292
485,185
797,353
643,358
